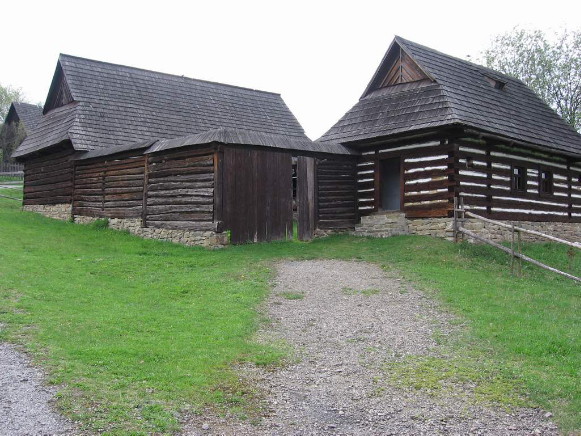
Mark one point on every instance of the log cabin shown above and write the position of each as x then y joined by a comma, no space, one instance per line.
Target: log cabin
204,163
430,127
171,157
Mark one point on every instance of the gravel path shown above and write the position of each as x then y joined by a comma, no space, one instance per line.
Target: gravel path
25,403
345,320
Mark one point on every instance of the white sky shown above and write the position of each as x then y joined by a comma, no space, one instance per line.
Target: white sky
319,55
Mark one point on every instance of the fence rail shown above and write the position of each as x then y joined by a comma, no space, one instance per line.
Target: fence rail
10,169
460,214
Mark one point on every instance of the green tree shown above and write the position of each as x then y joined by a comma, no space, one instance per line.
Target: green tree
8,94
552,68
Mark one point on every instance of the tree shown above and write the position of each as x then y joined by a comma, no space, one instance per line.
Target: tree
551,68
8,94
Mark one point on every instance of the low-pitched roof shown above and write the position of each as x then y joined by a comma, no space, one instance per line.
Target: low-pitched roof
116,105
28,114
456,92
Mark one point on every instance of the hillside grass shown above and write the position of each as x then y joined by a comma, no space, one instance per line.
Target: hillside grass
137,332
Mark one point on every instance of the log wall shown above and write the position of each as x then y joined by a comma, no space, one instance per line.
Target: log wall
111,188
180,190
485,182
48,179
336,204
427,179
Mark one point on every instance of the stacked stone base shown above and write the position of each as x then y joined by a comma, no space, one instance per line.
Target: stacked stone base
383,225
133,225
388,224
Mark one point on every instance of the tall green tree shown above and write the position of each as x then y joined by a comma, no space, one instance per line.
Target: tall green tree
551,67
8,94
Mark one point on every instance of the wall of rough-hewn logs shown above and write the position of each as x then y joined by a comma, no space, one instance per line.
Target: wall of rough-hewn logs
48,179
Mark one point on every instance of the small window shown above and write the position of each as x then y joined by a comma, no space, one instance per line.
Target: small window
545,182
519,179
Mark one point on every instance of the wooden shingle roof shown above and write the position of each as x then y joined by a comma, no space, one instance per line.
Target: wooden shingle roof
115,105
28,114
459,93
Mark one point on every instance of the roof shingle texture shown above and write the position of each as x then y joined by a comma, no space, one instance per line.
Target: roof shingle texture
460,94
116,105
29,114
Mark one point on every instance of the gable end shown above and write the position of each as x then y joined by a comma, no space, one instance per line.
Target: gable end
59,93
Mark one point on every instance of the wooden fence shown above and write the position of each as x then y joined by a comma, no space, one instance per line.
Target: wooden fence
515,250
10,169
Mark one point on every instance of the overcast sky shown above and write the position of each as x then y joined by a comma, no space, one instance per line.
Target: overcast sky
319,55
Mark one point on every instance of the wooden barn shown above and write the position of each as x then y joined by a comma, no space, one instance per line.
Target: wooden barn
175,158
430,127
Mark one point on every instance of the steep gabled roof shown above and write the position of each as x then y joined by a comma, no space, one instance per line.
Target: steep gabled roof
115,105
28,114
456,92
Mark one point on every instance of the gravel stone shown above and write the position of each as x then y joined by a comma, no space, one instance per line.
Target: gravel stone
354,317
25,402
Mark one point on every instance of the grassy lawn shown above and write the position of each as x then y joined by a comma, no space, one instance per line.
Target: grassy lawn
137,331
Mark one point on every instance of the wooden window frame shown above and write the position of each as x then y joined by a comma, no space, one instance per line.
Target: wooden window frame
513,185
551,182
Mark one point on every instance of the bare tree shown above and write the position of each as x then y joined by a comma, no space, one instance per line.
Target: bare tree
551,68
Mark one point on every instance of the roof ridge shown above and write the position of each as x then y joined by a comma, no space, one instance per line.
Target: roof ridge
64,55
481,68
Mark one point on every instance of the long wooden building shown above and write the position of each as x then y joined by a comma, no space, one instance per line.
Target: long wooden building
192,161
174,158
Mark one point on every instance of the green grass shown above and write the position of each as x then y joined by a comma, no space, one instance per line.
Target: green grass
10,179
292,295
367,292
137,331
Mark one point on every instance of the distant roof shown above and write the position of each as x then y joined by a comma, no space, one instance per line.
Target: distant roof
456,92
224,136
28,114
116,105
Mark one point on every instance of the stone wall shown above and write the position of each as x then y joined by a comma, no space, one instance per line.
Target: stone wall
442,228
185,237
57,211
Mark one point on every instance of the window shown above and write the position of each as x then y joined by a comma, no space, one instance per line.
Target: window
545,182
519,179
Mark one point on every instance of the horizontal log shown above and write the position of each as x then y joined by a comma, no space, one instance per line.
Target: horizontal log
123,204
437,204
179,185
122,213
203,192
523,195
47,187
58,177
185,216
192,162
169,155
335,224
514,204
516,216
47,200
123,184
180,171
331,210
126,196
474,179
87,211
173,178
431,196
154,201
428,186
183,225
109,190
425,164
424,174
154,210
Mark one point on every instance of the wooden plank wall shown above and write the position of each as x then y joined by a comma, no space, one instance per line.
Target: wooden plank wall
336,193
257,194
485,182
49,179
180,190
306,199
109,187
428,179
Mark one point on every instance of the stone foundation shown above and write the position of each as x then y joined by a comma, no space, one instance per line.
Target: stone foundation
388,224
56,211
207,239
